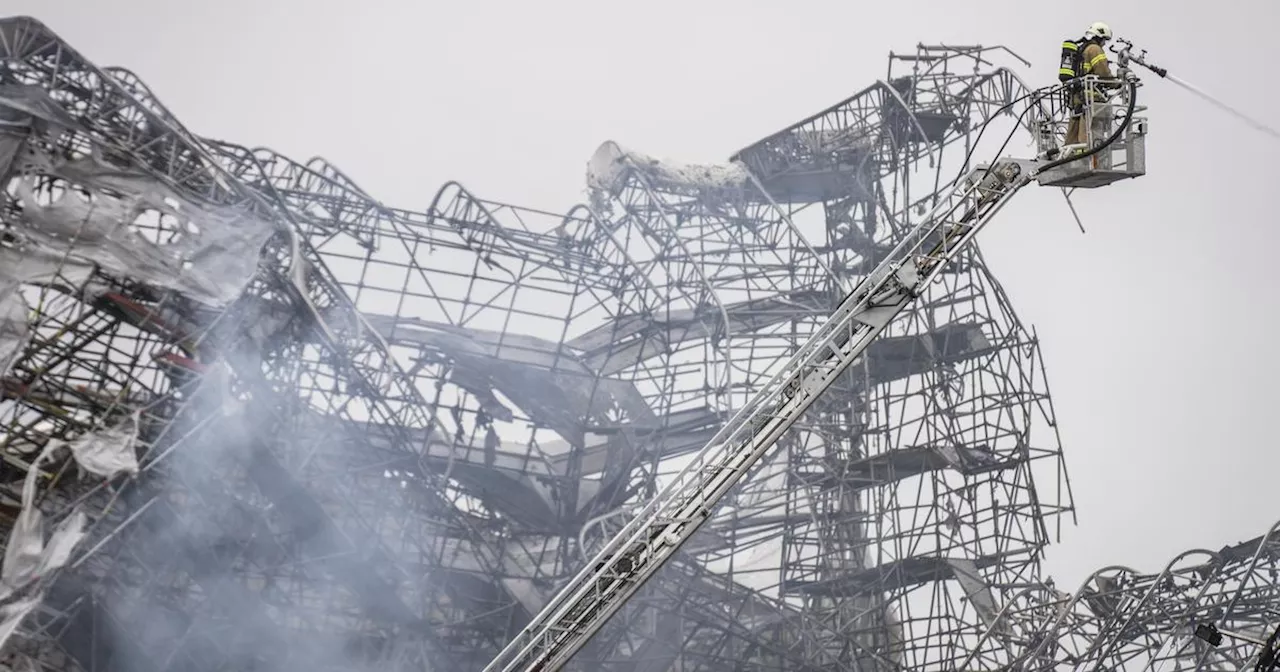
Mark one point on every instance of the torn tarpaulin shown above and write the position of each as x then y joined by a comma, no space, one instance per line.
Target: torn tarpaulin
209,253
12,613
13,326
110,450
27,558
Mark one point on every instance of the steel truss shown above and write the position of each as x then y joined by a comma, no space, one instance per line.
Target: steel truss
410,428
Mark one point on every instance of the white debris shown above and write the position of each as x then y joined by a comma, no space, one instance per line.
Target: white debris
212,265
13,327
110,450
26,546
975,588
608,167
11,616
27,557
209,253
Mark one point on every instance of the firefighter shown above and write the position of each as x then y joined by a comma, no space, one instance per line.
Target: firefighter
1093,61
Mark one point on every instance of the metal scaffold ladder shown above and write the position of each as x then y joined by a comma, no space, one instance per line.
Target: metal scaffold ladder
574,615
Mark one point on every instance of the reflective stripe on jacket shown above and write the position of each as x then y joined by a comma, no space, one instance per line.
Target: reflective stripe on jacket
1094,61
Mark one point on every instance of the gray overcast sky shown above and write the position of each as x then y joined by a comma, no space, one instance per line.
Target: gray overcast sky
1158,326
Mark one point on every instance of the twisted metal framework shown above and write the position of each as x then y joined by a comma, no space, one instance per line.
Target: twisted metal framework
1123,619
403,430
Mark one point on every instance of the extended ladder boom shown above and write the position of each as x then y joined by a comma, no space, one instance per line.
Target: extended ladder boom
671,518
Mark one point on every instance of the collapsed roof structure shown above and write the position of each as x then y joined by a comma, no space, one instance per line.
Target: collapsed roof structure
274,424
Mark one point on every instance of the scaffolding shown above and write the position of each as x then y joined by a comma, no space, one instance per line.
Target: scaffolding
276,423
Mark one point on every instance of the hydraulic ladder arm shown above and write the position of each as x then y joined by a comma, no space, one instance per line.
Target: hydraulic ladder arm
583,605
671,518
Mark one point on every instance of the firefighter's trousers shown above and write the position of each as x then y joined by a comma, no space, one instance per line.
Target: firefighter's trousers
1100,120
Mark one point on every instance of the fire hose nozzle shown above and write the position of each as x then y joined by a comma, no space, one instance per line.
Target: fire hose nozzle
1126,54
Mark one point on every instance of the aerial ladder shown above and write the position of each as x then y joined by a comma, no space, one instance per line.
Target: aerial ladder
619,569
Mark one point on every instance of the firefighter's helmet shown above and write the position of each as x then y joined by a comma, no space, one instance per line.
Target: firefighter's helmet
1098,30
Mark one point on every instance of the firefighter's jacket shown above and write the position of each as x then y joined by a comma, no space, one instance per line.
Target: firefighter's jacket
1093,62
